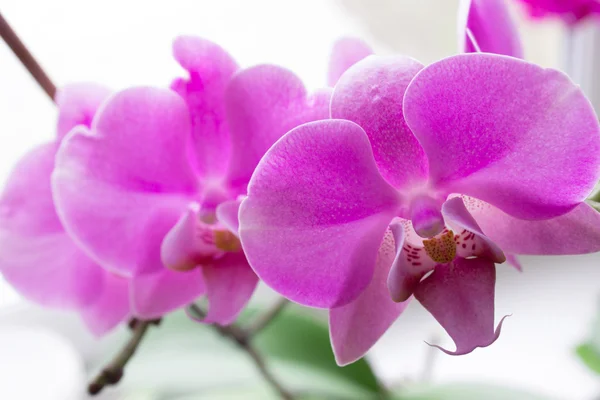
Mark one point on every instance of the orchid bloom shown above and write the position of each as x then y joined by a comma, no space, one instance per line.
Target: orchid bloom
431,170
345,52
571,11
487,26
36,255
151,190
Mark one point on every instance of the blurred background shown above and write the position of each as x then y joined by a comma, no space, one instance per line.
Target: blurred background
48,354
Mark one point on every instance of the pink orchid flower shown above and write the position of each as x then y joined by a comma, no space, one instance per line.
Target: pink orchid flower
571,11
151,190
345,52
487,26
36,255
352,213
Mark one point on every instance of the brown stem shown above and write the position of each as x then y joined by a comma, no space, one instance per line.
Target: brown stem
269,316
26,58
113,372
242,338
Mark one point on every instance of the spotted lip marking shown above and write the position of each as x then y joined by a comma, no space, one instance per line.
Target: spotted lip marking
441,249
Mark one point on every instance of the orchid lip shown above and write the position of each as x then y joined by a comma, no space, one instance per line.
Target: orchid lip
197,239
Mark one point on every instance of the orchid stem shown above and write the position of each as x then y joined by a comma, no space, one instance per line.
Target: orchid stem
24,55
269,316
113,372
242,338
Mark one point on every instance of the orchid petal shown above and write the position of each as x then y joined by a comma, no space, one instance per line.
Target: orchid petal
120,188
210,68
408,267
571,11
460,296
345,53
227,214
370,93
40,260
110,308
357,326
575,232
156,294
514,261
77,105
457,216
316,211
498,128
490,25
178,250
263,103
36,255
230,282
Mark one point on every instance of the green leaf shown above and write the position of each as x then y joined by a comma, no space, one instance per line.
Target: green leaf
304,340
182,357
466,392
240,394
232,394
589,351
590,356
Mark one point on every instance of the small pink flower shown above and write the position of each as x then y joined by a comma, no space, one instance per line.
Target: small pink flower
36,255
487,26
345,52
352,213
571,11
151,189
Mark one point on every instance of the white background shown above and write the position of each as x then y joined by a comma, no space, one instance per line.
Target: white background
124,42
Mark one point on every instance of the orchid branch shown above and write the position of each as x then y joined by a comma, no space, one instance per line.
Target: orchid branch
242,338
262,321
113,372
24,55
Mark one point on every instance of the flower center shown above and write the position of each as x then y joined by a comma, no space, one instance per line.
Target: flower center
213,239
442,248
226,241
197,239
